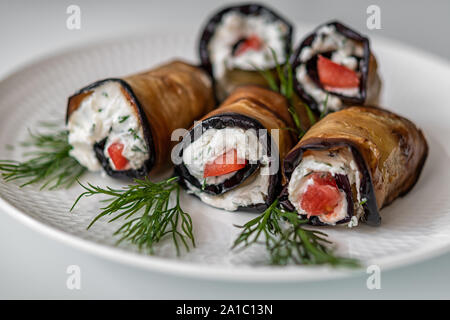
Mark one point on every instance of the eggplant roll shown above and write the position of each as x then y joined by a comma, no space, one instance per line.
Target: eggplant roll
334,68
237,40
125,125
351,164
231,159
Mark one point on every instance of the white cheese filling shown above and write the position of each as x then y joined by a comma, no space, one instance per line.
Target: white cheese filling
341,162
253,191
236,26
328,39
216,142
106,113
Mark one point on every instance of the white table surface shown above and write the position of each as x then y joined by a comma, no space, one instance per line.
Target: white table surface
34,266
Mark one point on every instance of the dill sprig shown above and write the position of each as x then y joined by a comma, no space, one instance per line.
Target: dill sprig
156,217
50,163
285,86
325,108
292,244
266,225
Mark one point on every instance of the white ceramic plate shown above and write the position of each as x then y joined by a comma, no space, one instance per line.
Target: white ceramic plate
414,228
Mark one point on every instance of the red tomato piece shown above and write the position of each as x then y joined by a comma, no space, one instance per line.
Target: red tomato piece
115,153
251,43
321,197
226,163
334,75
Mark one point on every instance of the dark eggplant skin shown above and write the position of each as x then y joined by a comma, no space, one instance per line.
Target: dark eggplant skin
230,120
245,9
371,213
343,184
98,147
366,60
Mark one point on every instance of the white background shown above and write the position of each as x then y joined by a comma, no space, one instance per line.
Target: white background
33,266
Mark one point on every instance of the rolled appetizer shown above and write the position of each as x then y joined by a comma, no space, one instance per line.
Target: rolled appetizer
334,68
124,125
231,159
351,164
239,39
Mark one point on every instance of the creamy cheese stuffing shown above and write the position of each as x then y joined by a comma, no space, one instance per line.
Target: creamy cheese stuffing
344,50
106,113
216,142
341,162
236,26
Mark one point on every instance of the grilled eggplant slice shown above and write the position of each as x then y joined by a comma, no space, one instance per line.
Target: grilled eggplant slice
334,66
230,159
124,125
351,164
237,39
